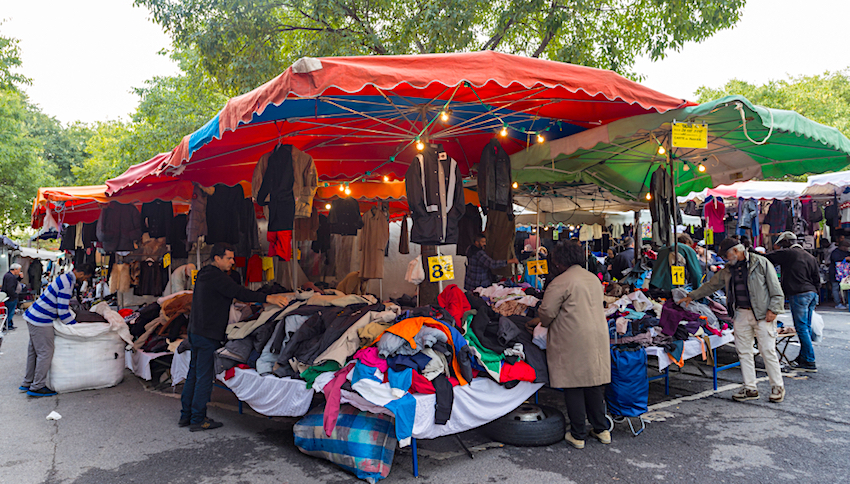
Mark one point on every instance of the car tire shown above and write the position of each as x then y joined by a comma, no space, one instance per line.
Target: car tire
510,430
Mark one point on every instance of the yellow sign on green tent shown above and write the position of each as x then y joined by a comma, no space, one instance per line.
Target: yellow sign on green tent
690,135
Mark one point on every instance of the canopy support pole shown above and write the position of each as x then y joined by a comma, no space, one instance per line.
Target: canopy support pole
293,264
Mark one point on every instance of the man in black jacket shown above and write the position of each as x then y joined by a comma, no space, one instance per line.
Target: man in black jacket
800,283
624,260
10,287
214,293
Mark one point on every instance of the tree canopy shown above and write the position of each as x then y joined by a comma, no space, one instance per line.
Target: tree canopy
242,44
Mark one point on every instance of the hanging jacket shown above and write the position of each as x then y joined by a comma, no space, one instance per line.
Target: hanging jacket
344,217
434,190
305,180
403,238
196,226
468,228
157,216
494,178
223,214
322,244
276,191
119,226
659,206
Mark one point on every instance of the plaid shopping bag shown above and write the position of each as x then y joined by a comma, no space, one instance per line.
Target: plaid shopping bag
842,270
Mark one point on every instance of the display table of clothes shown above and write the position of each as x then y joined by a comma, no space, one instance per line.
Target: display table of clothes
668,331
139,362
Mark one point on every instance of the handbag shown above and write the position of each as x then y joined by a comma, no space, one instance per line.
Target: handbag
842,270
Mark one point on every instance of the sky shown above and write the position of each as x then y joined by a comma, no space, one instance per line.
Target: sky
85,56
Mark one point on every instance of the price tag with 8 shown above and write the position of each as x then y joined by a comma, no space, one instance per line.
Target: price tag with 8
440,268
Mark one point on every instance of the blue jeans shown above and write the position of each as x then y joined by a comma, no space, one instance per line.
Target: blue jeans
802,306
836,292
197,388
10,313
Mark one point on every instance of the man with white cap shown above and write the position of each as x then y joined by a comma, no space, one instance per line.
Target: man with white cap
801,284
754,296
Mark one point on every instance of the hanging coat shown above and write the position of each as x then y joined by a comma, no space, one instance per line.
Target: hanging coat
434,190
305,181
494,178
577,344
344,217
403,238
469,228
276,191
373,240
119,226
196,226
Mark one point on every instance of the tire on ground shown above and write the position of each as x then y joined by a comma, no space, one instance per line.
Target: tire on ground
522,433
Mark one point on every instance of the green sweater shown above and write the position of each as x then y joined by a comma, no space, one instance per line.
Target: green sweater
661,269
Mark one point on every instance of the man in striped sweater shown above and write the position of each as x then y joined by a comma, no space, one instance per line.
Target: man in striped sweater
51,305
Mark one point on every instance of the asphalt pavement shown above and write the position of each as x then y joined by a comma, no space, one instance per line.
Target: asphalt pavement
129,434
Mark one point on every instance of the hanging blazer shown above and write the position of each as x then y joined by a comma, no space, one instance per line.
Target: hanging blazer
435,196
276,191
119,226
494,178
305,181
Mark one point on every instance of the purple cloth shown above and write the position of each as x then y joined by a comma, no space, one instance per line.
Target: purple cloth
671,315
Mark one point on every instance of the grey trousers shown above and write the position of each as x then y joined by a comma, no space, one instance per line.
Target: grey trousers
39,355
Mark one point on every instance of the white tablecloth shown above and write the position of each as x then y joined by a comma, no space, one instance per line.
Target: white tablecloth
269,395
692,348
180,367
474,405
139,362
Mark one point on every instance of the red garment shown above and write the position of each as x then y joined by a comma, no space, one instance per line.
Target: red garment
715,214
333,398
125,312
228,374
280,244
453,300
254,273
520,370
422,385
238,262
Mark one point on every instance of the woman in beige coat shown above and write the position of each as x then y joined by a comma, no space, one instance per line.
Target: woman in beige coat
577,350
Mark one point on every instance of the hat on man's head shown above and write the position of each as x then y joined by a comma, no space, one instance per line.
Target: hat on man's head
787,236
727,244
845,244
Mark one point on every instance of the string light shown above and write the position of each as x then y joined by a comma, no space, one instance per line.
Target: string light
648,196
701,168
661,150
540,138
347,191
386,178
686,167
419,144
444,115
342,188
515,185
504,131
327,206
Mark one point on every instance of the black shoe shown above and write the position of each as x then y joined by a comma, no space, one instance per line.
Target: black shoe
42,392
807,367
207,424
183,423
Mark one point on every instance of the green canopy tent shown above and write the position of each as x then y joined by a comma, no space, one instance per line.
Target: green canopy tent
620,157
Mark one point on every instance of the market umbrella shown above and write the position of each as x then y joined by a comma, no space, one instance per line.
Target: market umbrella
361,117
827,184
621,156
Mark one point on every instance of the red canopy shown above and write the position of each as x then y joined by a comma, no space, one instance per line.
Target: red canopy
361,116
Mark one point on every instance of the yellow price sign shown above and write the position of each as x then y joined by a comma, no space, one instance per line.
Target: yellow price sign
166,260
194,276
538,267
689,135
441,268
677,273
104,271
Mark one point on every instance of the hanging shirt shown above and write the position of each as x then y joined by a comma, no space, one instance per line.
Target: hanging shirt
715,213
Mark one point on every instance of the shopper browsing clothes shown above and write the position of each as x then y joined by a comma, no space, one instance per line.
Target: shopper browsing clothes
10,287
754,296
801,284
214,293
624,260
50,306
577,346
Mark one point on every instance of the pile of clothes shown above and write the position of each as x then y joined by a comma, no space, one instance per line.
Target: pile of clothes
510,300
635,318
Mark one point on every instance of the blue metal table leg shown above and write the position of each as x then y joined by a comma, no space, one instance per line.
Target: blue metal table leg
667,381
240,407
714,361
415,458
537,397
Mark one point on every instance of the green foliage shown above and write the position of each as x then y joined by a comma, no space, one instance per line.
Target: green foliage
242,44
823,98
10,59
63,148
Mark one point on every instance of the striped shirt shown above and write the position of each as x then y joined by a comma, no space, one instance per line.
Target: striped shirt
53,303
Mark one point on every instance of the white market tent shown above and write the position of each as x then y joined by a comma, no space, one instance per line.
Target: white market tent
42,254
761,190
827,184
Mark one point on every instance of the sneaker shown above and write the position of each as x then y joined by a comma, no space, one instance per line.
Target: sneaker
183,423
578,444
23,388
207,424
840,306
604,436
41,392
745,394
777,394
807,367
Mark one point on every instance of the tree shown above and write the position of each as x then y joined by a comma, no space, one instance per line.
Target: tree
10,59
62,147
823,98
242,44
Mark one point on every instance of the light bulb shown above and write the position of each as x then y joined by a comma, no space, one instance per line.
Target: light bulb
347,191
420,145
444,116
661,150
386,178
648,196
504,131
515,185
342,188
327,206
686,167
546,228
533,231
701,168
540,138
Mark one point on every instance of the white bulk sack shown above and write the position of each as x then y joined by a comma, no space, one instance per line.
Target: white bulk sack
88,356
